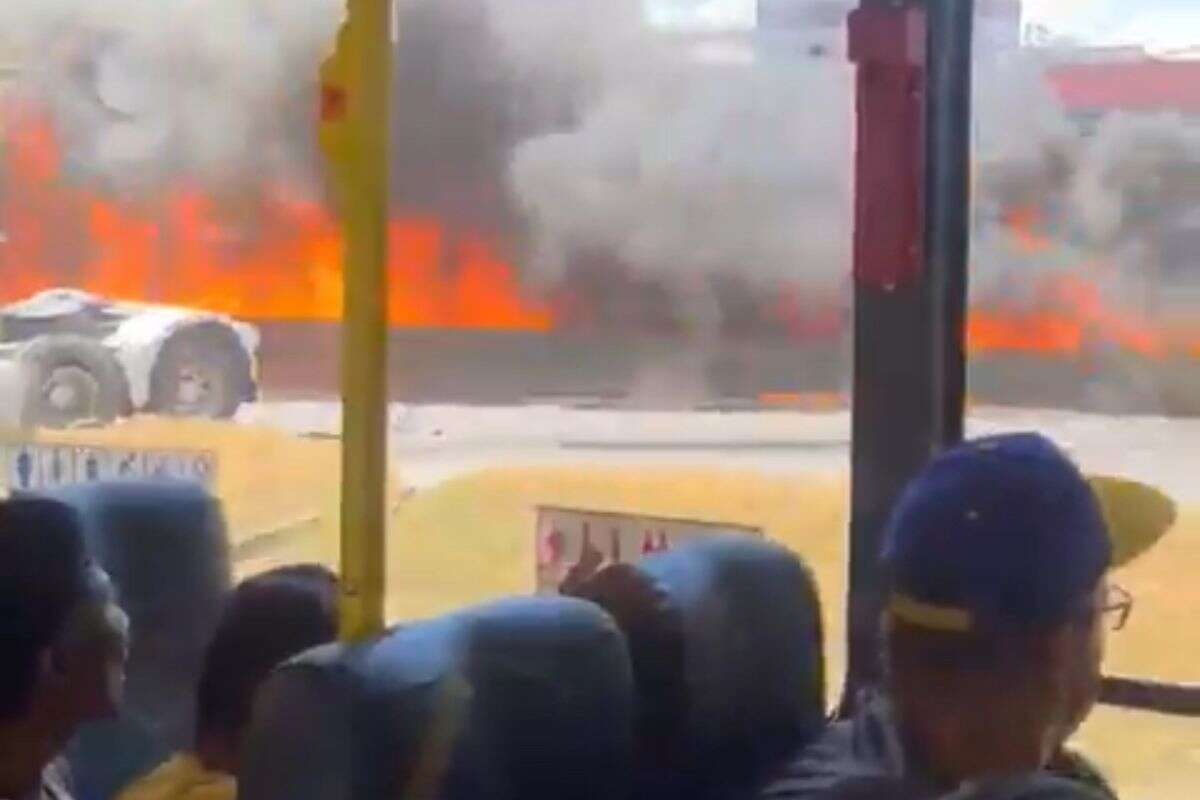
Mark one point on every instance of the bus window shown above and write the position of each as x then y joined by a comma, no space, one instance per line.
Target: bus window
1084,329
623,338
619,246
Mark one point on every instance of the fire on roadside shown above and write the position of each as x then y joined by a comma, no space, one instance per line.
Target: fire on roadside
289,268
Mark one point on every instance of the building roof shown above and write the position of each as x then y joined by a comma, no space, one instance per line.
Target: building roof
1146,85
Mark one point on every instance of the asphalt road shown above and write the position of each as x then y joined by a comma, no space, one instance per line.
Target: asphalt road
435,442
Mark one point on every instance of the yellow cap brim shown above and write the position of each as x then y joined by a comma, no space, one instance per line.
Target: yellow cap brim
1138,516
929,616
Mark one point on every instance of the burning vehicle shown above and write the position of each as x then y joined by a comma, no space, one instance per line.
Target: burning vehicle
83,358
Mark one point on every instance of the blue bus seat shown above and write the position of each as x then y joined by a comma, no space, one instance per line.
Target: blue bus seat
523,699
164,545
726,641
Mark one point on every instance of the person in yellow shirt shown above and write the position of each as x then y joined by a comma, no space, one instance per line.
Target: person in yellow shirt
268,619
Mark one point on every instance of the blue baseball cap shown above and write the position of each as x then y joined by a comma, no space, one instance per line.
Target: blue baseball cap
1003,530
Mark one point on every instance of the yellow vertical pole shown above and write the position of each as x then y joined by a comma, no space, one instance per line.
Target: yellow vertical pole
354,136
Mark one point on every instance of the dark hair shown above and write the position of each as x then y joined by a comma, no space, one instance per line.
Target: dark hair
995,646
44,575
910,647
268,619
1015,658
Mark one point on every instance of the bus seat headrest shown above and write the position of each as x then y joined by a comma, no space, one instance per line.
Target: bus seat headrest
516,700
726,642
164,545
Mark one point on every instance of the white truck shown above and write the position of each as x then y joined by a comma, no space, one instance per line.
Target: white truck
72,357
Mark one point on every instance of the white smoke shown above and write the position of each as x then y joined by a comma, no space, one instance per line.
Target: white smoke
1131,166
733,156
572,43
1025,146
149,90
696,160
693,158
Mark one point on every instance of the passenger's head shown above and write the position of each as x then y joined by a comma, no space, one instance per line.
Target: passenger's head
997,556
725,641
268,619
65,639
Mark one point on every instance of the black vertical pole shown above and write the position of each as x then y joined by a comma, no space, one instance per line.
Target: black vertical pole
911,216
948,202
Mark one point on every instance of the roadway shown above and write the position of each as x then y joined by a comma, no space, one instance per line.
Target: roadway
432,443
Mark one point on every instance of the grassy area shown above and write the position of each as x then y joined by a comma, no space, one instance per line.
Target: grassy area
1151,756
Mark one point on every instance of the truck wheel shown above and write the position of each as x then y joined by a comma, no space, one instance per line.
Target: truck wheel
202,371
70,379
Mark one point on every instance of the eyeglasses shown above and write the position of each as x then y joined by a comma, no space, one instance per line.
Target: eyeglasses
1119,604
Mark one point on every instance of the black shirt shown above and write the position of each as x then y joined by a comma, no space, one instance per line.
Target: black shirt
863,759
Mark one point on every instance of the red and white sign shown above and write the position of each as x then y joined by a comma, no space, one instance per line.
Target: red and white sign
564,536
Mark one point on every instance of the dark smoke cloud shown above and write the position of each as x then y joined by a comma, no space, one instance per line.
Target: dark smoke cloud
570,129
146,94
701,164
473,79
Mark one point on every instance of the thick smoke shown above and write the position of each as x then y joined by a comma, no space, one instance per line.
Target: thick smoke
473,78
573,129
699,159
1113,192
684,174
1025,145
569,121
1134,164
706,167
733,159
147,94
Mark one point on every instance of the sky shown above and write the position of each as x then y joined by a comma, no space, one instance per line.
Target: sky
1159,24
1155,23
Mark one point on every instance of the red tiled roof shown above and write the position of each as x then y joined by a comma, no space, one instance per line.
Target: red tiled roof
1135,86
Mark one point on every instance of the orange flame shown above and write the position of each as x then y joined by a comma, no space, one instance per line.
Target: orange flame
1072,314
1048,334
180,253
1024,224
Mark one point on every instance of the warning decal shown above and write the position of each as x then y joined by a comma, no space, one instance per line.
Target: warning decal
30,466
568,536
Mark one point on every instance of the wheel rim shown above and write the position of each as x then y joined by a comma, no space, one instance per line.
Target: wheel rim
198,390
68,394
